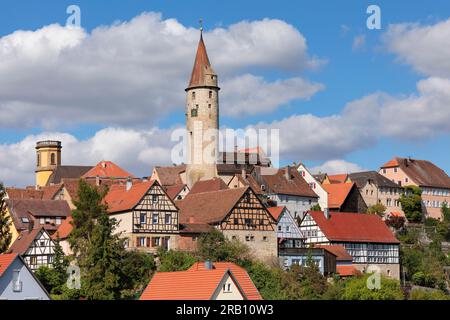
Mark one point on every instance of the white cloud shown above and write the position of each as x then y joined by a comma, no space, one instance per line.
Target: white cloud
135,150
337,167
359,42
114,75
425,47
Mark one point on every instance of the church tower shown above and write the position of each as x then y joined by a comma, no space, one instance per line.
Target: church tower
202,119
48,158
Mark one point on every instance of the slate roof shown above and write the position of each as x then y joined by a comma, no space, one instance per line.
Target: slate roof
361,178
67,172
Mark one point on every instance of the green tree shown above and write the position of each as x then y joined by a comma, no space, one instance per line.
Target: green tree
175,260
420,294
137,269
89,207
5,222
357,289
445,212
316,207
102,274
411,202
378,209
49,278
312,283
60,261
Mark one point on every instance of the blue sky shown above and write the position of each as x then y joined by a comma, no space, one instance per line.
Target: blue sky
330,29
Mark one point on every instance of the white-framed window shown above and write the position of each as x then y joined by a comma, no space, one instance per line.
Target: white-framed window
17,284
155,218
155,198
143,218
168,218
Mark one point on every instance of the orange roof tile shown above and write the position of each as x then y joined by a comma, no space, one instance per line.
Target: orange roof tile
276,211
353,227
173,191
391,163
107,169
244,280
5,261
64,229
338,178
337,193
345,271
27,193
214,184
339,251
119,199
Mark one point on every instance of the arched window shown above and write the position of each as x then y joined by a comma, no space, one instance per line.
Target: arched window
38,160
52,159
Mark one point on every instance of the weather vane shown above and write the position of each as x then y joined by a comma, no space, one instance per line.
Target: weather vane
201,24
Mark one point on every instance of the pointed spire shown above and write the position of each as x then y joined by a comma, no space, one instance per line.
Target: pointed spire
202,72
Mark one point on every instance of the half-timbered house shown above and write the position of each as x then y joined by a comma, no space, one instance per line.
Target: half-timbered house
364,236
147,217
237,213
288,233
35,246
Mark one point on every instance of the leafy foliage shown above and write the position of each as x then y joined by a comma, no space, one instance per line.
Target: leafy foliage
396,222
420,294
5,222
445,210
378,209
316,207
357,289
411,202
175,260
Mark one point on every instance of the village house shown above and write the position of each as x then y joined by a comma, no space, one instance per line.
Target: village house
62,234
433,181
364,236
377,189
344,197
288,233
315,185
237,213
324,259
344,261
203,281
17,281
148,218
35,246
28,214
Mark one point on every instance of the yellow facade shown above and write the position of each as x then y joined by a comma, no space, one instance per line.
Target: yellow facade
48,158
12,228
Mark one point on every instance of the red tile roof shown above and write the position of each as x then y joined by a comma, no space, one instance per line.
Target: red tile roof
27,193
107,169
50,191
391,163
338,178
276,211
197,283
169,176
5,261
240,273
64,229
214,184
173,191
337,193
353,227
119,199
24,240
202,67
208,207
339,251
346,271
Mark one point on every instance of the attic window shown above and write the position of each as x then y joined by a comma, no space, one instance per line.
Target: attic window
25,220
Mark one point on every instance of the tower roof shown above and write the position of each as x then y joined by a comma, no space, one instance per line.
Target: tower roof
202,72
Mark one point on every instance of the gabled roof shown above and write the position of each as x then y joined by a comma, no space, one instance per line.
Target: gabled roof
361,178
249,180
169,176
339,251
287,181
67,172
50,191
202,67
174,191
276,211
214,184
21,209
107,169
338,178
185,285
25,240
120,199
353,227
64,229
424,173
320,177
27,193
208,207
5,261
240,273
337,193
391,163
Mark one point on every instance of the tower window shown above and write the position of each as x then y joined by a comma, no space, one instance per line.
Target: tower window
209,106
210,94
52,159
194,112
193,95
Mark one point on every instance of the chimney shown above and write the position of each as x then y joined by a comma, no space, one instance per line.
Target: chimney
326,213
129,184
287,173
97,180
208,265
